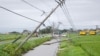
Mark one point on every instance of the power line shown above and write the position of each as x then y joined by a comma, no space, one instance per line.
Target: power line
66,12
18,14
34,6
70,18
29,36
38,8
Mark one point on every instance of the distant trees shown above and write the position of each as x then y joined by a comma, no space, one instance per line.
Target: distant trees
46,30
14,32
26,32
49,30
64,30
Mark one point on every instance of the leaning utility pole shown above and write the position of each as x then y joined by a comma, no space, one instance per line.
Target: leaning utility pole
29,36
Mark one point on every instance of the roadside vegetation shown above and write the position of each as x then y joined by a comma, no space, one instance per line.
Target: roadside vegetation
80,45
68,49
4,37
9,49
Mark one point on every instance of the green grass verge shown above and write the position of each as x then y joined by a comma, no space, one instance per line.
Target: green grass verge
10,50
68,49
89,43
4,37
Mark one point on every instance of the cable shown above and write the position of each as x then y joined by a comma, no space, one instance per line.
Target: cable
34,7
69,16
18,14
66,12
46,12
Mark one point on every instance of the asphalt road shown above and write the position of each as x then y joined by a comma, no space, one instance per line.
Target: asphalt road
47,49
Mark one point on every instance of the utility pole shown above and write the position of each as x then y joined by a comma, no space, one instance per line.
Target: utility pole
58,31
53,30
29,36
96,27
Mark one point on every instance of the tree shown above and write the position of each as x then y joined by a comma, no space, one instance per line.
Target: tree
64,30
26,32
14,32
46,30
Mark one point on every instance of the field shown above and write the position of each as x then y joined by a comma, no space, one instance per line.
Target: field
4,37
8,49
80,45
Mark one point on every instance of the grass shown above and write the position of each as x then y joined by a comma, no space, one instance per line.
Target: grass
89,43
10,50
4,37
80,45
68,49
92,48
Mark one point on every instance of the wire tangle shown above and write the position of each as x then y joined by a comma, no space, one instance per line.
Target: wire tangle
66,12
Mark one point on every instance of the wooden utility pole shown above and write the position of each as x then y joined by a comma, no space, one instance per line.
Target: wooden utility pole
29,36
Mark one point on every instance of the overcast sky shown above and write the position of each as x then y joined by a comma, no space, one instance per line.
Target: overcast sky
84,13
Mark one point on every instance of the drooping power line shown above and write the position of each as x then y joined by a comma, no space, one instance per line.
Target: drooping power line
66,12
34,7
29,36
18,14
